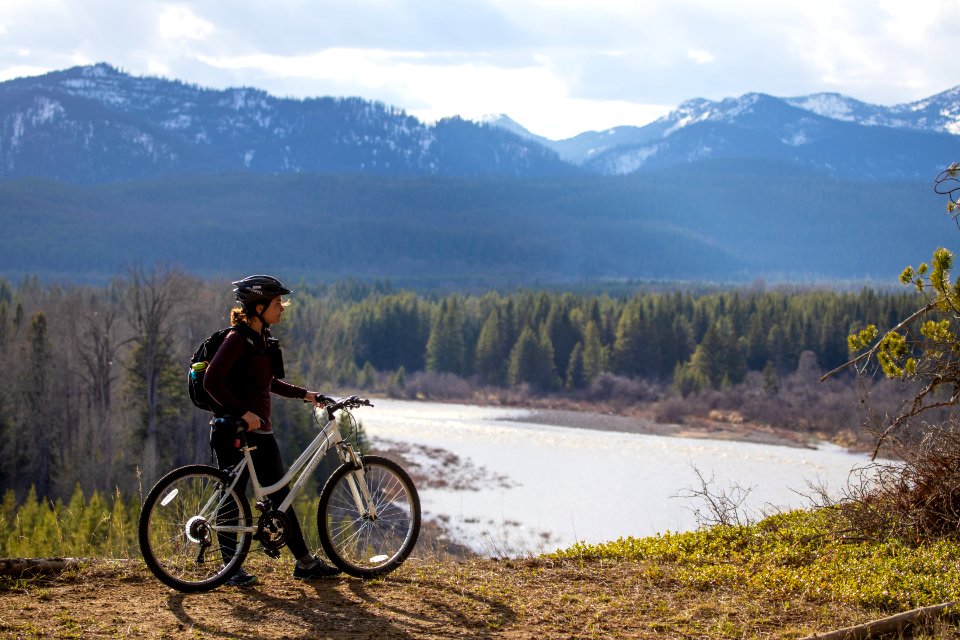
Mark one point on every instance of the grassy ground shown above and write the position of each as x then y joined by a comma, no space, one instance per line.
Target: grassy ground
782,578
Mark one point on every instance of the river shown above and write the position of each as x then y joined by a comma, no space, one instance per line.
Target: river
540,487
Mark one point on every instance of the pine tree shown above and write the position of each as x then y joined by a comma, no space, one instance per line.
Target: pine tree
548,378
531,361
594,353
445,347
632,352
40,430
493,349
368,376
564,334
689,378
707,360
575,373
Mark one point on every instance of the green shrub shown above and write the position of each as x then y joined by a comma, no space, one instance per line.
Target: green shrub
796,554
94,527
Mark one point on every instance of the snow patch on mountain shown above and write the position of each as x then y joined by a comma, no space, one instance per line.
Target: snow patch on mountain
828,105
686,120
180,121
633,160
45,111
797,139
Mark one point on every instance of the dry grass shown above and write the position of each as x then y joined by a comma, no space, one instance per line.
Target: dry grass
533,598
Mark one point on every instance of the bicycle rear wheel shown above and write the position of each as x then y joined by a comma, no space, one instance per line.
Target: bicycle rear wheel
357,542
188,529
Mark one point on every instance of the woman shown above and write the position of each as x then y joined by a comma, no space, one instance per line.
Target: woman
240,378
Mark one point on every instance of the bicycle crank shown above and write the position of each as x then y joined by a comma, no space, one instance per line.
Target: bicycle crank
272,532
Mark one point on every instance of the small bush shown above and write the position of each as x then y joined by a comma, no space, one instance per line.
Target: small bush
610,387
672,410
913,496
431,385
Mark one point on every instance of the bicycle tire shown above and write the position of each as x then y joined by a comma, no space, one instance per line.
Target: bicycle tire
176,539
358,545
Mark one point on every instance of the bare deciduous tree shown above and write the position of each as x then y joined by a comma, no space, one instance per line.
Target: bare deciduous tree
153,302
95,340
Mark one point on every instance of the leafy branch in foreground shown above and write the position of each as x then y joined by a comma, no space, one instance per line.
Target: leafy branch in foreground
924,348
947,184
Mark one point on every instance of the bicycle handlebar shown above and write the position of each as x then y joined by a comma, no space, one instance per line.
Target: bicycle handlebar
352,402
239,426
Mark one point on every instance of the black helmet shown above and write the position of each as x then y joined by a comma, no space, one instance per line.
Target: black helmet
254,290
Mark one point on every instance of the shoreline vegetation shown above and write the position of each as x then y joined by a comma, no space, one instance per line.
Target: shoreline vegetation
718,426
647,418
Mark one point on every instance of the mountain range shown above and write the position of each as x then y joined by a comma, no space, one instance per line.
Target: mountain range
827,131
100,169
96,124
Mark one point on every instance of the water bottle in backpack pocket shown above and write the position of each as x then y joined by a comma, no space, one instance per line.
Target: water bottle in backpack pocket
198,366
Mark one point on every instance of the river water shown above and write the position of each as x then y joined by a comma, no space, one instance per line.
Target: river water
540,487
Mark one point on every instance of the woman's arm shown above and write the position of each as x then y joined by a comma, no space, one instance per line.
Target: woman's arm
288,390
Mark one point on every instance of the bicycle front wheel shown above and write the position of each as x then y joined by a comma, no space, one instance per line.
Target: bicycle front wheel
194,531
367,540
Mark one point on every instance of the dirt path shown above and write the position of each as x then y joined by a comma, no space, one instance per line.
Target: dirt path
102,603
534,598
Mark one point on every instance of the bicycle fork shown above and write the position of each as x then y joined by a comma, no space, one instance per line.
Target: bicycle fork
357,480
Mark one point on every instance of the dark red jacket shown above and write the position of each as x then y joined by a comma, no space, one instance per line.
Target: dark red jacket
240,378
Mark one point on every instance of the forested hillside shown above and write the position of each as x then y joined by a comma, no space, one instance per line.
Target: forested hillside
720,222
92,382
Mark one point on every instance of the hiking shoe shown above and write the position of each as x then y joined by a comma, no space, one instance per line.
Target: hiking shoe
316,568
241,579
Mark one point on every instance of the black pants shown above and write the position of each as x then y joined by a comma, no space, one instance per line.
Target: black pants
269,465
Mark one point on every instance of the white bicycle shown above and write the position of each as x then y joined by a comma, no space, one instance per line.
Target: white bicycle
195,528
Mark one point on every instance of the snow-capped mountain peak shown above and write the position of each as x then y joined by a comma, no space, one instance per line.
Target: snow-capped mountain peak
503,121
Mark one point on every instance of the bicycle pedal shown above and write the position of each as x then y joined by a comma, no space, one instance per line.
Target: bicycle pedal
273,553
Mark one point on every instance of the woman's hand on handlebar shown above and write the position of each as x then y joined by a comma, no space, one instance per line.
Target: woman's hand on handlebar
253,420
316,397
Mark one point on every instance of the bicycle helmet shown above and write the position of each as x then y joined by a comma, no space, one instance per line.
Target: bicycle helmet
254,290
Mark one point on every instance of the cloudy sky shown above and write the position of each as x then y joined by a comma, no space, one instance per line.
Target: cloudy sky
559,67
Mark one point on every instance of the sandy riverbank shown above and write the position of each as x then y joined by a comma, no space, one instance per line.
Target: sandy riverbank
697,428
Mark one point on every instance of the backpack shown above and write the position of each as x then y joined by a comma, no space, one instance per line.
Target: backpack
198,366
204,354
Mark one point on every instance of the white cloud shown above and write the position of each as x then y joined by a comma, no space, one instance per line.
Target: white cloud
556,66
700,56
179,22
20,71
157,68
432,85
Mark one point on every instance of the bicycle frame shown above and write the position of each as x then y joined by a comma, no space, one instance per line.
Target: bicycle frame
328,437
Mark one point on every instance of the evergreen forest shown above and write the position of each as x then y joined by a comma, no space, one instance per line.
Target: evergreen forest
93,379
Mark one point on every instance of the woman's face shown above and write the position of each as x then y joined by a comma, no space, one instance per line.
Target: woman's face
273,311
